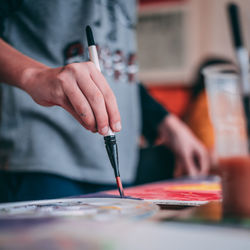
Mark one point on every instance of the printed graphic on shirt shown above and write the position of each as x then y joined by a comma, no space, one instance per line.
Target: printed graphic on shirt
74,53
113,62
117,12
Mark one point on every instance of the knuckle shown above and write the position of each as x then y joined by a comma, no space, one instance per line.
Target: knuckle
69,70
82,111
109,96
89,122
79,109
72,68
61,80
90,65
97,98
72,95
102,122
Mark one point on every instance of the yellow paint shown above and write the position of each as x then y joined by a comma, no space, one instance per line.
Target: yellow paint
195,187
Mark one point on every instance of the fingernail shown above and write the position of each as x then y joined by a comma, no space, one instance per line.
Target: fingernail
104,130
118,126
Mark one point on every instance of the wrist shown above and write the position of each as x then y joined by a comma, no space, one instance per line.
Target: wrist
29,76
168,127
169,121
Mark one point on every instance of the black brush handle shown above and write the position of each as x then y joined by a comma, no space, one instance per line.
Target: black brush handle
112,150
233,14
90,37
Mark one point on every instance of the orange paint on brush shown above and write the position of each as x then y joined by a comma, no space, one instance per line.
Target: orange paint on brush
120,187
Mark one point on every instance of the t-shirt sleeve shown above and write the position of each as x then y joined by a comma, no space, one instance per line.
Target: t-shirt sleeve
7,7
152,114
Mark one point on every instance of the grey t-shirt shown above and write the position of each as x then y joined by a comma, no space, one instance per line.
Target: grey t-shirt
36,138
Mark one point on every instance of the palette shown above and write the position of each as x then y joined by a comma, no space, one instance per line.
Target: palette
100,209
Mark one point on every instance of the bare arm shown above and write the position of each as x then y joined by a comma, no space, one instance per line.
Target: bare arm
79,88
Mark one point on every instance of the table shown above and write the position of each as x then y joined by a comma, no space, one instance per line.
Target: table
189,227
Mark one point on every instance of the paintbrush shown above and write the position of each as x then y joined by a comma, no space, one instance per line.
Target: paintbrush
242,58
109,139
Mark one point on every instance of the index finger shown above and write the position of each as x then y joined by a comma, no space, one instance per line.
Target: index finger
109,97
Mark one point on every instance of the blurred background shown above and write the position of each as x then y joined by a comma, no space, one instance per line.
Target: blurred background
175,37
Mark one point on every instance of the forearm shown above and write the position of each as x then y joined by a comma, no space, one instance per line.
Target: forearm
16,67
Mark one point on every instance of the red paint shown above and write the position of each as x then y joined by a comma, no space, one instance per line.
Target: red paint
120,187
175,191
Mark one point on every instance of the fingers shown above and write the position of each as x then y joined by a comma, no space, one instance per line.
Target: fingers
76,103
110,100
69,107
189,150
202,160
189,165
196,161
91,99
178,170
96,101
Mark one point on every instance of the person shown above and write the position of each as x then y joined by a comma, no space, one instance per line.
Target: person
53,100
196,115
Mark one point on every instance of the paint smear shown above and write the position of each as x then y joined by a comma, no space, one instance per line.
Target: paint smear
203,191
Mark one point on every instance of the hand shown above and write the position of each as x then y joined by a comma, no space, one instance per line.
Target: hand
192,158
80,89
